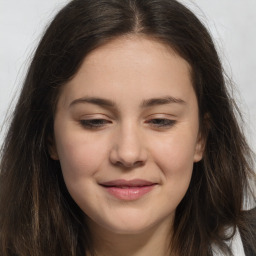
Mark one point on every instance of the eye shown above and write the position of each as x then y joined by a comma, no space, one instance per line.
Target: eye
94,123
161,122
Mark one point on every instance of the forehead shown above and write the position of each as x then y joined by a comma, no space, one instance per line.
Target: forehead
131,66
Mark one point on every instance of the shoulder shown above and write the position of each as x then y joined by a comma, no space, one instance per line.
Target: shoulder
235,244
243,241
248,232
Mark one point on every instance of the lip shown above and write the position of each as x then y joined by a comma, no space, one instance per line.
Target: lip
128,189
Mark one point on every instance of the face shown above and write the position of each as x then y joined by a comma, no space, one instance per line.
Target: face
126,134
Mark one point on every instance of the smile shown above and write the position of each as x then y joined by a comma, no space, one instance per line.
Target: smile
128,190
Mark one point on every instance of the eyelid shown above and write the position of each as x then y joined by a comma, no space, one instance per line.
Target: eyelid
100,121
161,115
94,121
95,116
165,121
161,121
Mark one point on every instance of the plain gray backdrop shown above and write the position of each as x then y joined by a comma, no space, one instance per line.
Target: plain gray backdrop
232,24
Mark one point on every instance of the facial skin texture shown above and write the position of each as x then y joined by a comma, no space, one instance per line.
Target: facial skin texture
158,143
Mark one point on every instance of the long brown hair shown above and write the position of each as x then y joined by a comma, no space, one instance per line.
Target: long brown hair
37,215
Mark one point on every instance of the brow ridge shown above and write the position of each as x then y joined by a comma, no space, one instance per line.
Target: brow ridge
161,101
145,103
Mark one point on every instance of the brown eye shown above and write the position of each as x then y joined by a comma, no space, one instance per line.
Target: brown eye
94,123
161,122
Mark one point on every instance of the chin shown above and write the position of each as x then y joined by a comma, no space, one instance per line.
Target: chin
132,229
130,225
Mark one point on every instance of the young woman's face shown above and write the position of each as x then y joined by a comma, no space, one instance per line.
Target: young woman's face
127,134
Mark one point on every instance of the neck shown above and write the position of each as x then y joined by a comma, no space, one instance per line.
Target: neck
153,241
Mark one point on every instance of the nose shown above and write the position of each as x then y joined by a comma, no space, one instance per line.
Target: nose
128,149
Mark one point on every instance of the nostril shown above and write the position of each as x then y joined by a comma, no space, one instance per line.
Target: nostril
127,155
138,163
130,165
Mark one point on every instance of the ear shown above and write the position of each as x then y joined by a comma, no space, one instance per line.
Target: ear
52,149
199,149
202,138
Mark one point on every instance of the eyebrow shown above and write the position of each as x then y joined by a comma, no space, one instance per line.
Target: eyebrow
161,101
145,103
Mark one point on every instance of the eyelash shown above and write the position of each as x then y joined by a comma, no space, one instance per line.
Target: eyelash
162,122
93,123
100,123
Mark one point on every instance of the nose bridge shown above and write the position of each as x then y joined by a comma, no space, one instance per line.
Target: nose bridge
128,149
129,139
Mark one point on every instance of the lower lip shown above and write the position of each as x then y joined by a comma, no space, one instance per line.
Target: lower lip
129,193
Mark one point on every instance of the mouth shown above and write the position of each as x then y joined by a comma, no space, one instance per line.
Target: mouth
128,190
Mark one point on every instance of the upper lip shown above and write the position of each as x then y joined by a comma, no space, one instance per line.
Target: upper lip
127,183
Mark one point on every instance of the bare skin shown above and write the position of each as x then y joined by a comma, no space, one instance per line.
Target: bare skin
130,114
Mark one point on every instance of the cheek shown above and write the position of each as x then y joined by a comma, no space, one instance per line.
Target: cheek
175,156
176,164
80,160
79,157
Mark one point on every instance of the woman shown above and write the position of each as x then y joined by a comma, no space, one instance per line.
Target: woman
125,140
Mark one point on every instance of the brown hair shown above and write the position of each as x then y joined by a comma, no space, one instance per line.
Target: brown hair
37,215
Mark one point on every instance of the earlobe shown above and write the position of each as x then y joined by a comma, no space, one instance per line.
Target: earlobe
201,139
199,149
52,149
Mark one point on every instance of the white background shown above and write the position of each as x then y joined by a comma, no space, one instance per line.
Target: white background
231,22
